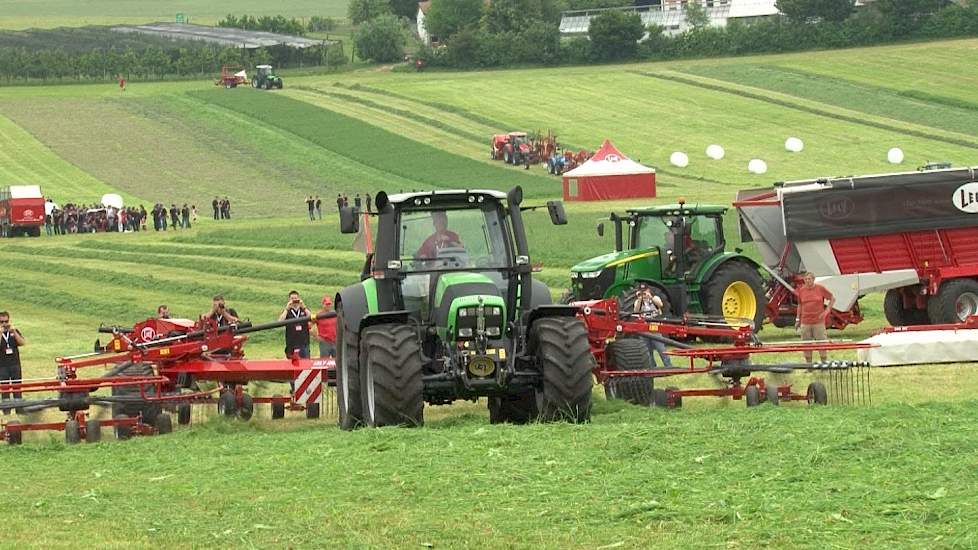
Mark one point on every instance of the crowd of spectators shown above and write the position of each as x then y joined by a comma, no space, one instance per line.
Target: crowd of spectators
94,218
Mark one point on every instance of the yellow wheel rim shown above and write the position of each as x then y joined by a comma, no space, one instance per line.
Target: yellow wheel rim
738,303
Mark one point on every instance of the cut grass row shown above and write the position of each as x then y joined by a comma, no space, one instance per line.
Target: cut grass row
893,476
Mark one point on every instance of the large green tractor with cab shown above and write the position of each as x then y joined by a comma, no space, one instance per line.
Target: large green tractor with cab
265,78
680,251
447,309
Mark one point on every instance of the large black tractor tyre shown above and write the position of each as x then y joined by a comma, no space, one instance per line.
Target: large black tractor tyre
731,291
955,301
515,409
628,295
348,396
629,354
390,376
563,355
134,405
897,315
278,84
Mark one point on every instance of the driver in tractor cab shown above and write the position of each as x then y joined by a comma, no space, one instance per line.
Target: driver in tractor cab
441,238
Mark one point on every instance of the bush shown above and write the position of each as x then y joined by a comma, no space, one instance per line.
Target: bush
381,39
615,35
361,11
446,17
807,11
321,24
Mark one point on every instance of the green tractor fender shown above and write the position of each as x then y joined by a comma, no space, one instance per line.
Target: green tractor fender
360,307
709,267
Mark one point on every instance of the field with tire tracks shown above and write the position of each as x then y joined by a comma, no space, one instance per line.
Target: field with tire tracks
897,473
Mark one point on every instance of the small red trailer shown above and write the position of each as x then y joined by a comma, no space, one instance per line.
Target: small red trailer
21,211
232,76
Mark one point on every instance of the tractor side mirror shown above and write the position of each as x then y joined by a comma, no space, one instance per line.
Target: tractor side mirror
601,229
349,220
557,214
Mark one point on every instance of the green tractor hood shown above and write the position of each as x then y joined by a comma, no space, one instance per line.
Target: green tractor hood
610,260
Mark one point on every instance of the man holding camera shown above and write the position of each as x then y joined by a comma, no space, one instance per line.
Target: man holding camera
296,335
220,313
10,342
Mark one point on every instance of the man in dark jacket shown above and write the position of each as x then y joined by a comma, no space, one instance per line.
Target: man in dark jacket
11,340
216,210
174,216
185,214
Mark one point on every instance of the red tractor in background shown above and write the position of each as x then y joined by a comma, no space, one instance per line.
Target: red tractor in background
21,211
521,148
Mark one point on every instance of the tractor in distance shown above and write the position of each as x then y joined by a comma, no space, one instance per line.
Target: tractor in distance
265,78
680,251
447,308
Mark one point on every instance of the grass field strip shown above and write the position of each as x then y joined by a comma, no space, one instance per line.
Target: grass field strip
739,91
910,106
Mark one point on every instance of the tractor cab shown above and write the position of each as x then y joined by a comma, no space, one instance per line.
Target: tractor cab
684,235
451,299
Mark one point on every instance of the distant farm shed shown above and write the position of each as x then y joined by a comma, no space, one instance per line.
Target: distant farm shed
223,36
608,175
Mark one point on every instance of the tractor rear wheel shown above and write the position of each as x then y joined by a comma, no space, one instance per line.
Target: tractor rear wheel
93,431
629,354
735,292
560,345
390,376
72,432
134,405
956,300
348,399
515,409
899,316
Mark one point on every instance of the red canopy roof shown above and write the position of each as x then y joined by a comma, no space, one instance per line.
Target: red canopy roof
608,161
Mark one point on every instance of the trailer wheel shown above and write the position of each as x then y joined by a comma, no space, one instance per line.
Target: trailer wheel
560,346
14,437
247,407
278,409
163,424
771,394
349,400
93,431
122,431
629,354
735,292
134,405
183,414
515,409
752,396
898,316
390,376
312,411
817,395
227,403
956,300
72,432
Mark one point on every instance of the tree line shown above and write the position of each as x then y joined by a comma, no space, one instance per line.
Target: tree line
155,63
475,33
279,24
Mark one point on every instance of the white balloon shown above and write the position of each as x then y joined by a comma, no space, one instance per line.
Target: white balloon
112,199
895,155
715,152
679,159
794,145
757,166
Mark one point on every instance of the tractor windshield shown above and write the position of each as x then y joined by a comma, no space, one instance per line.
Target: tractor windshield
654,232
447,240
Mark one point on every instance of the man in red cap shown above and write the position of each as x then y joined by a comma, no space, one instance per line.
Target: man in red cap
326,330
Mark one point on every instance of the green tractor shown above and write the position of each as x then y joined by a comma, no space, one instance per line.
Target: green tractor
447,308
679,250
265,78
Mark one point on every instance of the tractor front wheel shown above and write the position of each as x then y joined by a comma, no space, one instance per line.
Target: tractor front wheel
390,376
735,292
348,398
629,354
560,345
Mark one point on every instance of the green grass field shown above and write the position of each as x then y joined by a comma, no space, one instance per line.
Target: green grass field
897,473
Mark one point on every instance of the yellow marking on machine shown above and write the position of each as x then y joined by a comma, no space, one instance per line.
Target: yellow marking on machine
631,258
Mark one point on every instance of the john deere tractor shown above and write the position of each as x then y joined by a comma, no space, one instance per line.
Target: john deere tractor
679,250
265,78
447,308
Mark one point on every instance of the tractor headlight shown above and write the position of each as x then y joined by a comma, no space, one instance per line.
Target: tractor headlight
589,274
465,332
493,331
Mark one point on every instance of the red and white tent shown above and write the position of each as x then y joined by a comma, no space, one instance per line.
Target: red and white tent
608,175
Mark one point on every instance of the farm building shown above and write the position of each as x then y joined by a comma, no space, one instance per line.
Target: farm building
670,16
423,8
223,36
607,175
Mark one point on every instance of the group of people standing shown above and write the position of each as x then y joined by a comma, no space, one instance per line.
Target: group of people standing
80,218
222,208
343,200
173,218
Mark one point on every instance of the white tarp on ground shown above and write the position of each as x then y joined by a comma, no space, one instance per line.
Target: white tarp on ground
921,347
